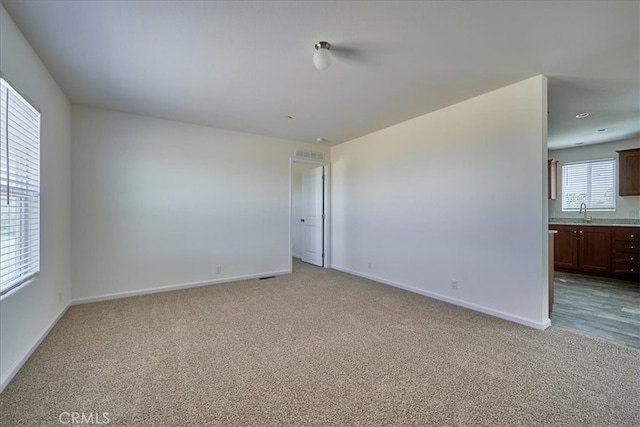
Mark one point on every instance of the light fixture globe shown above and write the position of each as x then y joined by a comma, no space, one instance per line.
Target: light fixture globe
322,57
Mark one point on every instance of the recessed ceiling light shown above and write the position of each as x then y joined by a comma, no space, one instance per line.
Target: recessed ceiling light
288,117
602,130
320,140
582,115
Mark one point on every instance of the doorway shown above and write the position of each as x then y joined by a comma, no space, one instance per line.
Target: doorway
309,212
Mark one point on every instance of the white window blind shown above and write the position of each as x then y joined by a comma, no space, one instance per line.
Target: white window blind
19,189
591,182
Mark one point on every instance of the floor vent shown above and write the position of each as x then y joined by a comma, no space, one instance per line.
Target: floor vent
268,277
305,154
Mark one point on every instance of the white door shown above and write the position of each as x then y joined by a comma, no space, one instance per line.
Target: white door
313,216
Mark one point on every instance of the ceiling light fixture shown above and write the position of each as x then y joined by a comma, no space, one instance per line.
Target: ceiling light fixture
582,115
319,140
322,57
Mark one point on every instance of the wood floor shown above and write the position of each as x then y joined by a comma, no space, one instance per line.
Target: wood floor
603,308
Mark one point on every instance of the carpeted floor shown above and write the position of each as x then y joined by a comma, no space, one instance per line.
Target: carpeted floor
317,347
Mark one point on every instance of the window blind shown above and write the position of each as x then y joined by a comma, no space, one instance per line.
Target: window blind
19,189
591,182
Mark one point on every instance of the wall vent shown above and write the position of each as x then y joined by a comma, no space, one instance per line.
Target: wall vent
312,155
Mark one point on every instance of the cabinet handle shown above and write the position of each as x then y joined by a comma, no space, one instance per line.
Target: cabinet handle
575,232
633,235
580,231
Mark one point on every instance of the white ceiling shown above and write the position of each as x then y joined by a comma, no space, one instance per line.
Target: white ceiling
247,65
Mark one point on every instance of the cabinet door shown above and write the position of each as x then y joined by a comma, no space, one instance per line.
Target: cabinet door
629,172
565,251
595,248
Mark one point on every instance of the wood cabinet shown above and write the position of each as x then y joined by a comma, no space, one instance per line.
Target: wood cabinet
626,252
629,172
566,246
594,249
602,250
585,248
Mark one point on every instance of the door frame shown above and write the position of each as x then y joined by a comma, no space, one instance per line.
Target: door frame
327,208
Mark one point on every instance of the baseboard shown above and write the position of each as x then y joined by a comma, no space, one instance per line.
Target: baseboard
20,362
454,301
168,288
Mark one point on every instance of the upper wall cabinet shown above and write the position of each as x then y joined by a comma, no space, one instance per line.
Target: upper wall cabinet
629,172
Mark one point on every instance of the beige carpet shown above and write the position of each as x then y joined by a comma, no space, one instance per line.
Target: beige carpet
317,347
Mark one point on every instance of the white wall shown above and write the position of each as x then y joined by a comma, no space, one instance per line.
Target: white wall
458,194
27,315
158,203
624,205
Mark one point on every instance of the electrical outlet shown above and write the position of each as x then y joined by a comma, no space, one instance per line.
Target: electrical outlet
218,270
369,265
454,285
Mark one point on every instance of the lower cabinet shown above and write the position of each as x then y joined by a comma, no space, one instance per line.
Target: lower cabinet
565,249
582,248
626,252
610,251
594,249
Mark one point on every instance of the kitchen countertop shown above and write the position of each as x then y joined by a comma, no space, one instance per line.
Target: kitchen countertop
594,223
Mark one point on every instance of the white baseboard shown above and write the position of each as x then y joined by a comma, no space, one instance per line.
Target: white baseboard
16,367
147,291
454,301
545,324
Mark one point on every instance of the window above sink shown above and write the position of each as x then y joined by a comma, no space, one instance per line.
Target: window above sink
590,182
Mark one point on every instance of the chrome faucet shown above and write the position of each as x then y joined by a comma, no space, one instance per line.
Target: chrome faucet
585,218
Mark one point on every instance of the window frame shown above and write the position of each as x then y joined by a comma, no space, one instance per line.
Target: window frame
20,189
570,205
